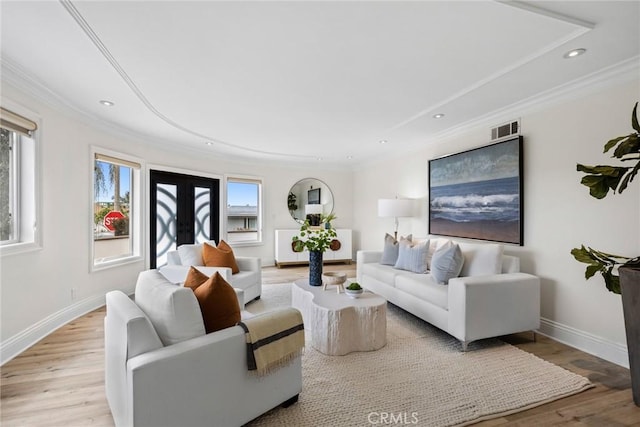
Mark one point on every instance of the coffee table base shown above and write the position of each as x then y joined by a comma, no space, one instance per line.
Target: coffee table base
339,325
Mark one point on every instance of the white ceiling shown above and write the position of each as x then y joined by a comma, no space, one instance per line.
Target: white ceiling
302,80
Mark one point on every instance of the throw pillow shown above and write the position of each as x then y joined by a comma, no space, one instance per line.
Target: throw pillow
218,303
220,256
389,250
481,259
446,262
412,257
194,278
191,254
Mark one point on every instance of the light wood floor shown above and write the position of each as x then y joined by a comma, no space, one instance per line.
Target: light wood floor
60,380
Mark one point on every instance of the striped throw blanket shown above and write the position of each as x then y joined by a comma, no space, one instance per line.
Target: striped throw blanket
273,339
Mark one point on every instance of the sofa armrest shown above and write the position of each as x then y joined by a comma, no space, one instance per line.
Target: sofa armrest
490,306
248,263
200,382
177,273
240,295
363,257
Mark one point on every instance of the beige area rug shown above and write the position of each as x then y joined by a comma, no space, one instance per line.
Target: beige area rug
419,378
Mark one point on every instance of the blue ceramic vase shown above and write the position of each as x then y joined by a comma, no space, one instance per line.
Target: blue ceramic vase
315,268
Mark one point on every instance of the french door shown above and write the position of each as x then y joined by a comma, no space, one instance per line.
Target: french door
184,209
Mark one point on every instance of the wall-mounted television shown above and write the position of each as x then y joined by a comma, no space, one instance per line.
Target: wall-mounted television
313,196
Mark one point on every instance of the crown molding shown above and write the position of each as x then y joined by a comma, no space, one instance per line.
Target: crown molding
615,74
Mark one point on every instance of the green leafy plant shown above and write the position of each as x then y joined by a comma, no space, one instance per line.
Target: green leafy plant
292,202
313,238
600,179
121,226
355,286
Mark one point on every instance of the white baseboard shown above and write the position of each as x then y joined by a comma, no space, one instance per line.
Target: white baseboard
602,348
18,343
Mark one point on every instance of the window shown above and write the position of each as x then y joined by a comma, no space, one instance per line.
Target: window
115,208
18,195
244,210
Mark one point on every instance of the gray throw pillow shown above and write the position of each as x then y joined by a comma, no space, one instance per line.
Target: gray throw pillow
446,262
390,249
412,257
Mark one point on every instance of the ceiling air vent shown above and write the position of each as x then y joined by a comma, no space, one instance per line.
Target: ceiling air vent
505,130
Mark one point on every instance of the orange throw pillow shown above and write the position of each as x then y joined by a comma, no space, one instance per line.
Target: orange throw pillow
220,256
218,303
195,278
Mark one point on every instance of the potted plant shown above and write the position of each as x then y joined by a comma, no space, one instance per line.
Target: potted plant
327,220
354,290
316,240
292,202
600,179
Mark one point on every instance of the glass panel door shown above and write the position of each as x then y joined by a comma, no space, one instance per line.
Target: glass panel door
166,216
202,217
184,209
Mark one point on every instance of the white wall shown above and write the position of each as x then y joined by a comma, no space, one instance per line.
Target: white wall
36,287
558,216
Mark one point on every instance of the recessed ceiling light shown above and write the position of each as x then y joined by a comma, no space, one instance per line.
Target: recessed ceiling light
349,157
438,116
209,143
107,103
575,52
319,158
383,141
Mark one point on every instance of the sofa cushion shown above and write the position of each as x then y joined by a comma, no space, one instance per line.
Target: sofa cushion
446,262
191,254
173,310
384,273
218,303
424,287
412,257
220,256
481,259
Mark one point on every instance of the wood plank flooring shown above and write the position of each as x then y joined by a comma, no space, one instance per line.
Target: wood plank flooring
60,380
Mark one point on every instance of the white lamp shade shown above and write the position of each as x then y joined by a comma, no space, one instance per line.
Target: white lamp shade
395,207
313,209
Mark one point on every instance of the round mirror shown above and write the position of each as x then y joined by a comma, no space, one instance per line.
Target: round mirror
309,196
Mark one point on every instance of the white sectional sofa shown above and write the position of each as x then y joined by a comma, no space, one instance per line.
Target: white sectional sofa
249,279
470,307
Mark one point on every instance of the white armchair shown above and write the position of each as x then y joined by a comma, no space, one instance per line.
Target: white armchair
249,279
161,369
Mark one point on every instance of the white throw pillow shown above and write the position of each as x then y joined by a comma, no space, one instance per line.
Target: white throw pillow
446,263
173,310
434,244
481,259
412,257
191,254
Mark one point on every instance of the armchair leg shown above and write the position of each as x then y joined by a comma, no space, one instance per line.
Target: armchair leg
257,298
290,402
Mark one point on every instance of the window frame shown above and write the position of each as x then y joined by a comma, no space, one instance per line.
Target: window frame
260,211
23,166
137,191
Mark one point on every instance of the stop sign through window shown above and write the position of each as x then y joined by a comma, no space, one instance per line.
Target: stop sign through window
110,217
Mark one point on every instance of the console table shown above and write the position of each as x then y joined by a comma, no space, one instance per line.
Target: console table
340,252
338,324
